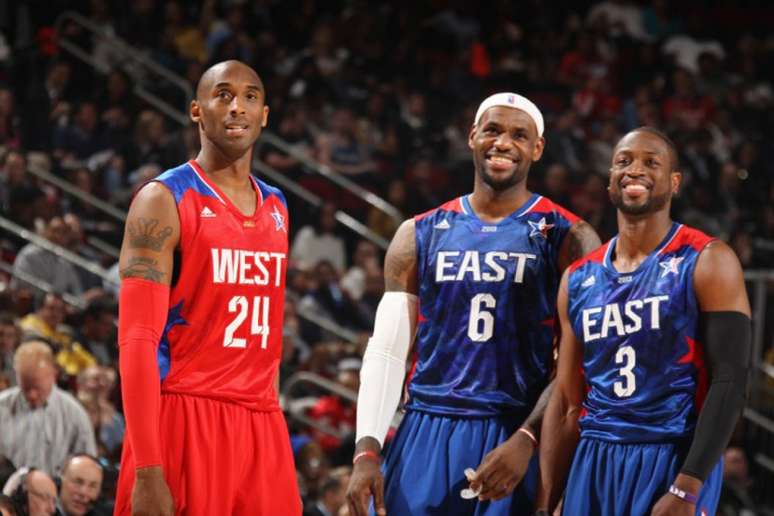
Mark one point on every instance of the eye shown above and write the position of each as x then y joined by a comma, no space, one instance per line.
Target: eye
252,96
652,163
224,95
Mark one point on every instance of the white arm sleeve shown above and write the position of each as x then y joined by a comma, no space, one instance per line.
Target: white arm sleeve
384,364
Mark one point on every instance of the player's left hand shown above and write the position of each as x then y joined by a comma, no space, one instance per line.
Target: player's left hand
670,505
503,468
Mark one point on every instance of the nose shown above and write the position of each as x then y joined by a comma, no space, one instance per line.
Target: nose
503,141
235,108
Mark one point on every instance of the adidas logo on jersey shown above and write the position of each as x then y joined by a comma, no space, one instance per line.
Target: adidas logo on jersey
207,213
444,224
588,282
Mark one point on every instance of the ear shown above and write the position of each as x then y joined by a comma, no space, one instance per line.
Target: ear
470,136
195,112
676,179
537,151
265,119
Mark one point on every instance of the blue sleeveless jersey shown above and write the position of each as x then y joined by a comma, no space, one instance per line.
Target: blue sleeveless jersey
644,372
487,297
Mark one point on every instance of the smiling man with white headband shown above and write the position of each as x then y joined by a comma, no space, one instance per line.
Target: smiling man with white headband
472,286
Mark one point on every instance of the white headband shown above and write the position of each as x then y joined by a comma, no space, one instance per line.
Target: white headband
512,100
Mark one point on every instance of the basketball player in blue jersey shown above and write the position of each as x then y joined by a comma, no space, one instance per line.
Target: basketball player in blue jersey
655,342
475,281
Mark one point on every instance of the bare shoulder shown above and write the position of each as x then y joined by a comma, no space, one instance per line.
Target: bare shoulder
719,280
400,263
581,239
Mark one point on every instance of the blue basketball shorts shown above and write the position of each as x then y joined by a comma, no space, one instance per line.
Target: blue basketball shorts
619,479
424,466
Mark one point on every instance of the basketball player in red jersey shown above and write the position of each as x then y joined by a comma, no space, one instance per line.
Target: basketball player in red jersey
203,266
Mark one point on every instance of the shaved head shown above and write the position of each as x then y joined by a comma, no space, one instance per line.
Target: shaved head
214,73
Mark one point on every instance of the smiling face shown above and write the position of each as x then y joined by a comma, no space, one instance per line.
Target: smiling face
504,144
643,178
230,108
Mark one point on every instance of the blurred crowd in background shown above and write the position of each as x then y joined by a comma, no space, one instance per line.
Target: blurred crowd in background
385,94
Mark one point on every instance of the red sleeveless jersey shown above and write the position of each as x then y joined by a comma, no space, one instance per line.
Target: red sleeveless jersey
223,335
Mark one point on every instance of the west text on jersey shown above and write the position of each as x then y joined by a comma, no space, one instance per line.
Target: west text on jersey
612,321
242,267
456,265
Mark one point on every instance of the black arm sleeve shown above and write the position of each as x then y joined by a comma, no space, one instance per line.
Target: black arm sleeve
726,340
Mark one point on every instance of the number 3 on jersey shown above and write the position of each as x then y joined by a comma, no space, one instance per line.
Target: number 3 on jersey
481,322
259,322
626,356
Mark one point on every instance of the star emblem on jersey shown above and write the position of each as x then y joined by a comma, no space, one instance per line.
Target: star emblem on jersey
279,220
207,213
539,228
444,224
670,266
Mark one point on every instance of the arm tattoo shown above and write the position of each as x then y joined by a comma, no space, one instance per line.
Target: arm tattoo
144,268
143,234
400,260
582,240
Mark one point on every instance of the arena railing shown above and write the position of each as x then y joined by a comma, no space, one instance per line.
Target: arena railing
40,285
30,236
139,66
297,408
57,250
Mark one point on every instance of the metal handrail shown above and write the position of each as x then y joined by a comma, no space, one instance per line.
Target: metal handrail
41,285
759,277
320,382
58,250
73,190
315,200
128,53
335,177
181,116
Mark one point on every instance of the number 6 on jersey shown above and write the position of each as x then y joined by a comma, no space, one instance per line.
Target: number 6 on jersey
259,322
481,322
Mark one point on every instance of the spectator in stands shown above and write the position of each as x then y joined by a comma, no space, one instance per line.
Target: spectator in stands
41,424
32,491
736,497
10,337
332,495
44,265
21,199
76,242
313,466
314,243
372,292
81,484
97,332
334,411
353,281
341,149
292,128
149,144
384,224
81,139
47,323
95,386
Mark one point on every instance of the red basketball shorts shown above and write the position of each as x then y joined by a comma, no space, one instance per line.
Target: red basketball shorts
220,458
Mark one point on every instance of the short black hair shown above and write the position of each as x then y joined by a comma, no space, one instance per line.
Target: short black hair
673,154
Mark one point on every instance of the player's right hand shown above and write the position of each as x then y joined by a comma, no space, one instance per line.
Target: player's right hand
366,481
151,495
